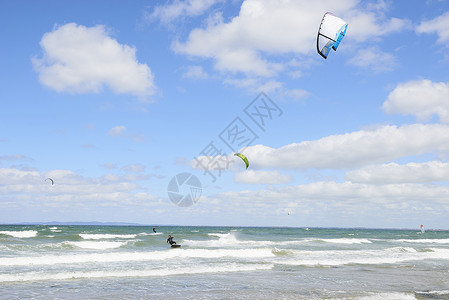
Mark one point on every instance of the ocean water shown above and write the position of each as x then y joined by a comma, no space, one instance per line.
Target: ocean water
132,262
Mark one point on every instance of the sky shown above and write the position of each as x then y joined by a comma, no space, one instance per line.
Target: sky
136,108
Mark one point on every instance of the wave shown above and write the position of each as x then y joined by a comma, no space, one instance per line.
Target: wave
135,256
363,257
282,252
434,294
424,241
388,295
102,245
89,236
347,241
229,239
20,234
35,276
152,233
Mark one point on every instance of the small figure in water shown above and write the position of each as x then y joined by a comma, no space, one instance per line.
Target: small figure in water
170,240
154,229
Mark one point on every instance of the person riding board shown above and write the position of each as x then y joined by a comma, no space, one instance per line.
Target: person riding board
170,240
154,229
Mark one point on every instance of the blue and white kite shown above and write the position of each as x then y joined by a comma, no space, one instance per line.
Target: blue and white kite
331,32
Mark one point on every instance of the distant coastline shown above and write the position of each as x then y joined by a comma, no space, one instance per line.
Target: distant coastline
97,223
93,223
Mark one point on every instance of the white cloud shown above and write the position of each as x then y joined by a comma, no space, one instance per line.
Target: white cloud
81,59
368,25
344,204
432,171
275,27
117,130
374,60
181,9
69,187
9,176
354,149
422,98
439,25
262,177
346,192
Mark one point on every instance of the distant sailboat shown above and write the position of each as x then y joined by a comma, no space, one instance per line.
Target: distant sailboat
422,229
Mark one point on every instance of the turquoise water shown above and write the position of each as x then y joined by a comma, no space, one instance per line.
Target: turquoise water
132,262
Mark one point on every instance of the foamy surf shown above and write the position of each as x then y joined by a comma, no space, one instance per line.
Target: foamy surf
89,236
363,257
21,234
102,245
38,276
249,254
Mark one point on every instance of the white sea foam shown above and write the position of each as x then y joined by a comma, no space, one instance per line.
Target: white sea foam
424,241
89,236
55,229
100,245
20,234
387,295
229,240
348,241
136,256
367,257
34,276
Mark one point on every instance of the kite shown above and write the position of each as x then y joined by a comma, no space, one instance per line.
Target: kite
331,32
243,157
52,182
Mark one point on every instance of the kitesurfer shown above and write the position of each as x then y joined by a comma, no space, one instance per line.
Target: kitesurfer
170,240
154,229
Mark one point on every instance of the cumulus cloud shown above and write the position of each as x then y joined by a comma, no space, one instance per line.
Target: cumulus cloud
180,9
117,130
438,25
69,187
346,192
432,171
346,204
262,177
355,149
368,25
273,27
422,98
81,59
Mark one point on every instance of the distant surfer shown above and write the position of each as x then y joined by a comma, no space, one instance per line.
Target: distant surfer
154,229
170,240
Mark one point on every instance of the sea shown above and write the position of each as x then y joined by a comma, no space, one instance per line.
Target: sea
133,262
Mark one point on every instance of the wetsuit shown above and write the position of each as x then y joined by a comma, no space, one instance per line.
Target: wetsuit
171,241
154,229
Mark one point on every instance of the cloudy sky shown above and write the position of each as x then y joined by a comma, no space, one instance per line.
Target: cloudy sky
114,99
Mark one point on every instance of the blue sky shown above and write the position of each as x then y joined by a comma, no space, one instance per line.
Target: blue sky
112,99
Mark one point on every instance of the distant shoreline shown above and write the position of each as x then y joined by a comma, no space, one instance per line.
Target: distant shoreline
96,223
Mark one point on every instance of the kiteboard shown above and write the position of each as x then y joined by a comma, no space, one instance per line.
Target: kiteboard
176,246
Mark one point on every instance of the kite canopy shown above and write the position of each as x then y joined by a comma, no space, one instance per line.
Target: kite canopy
243,157
52,182
331,32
